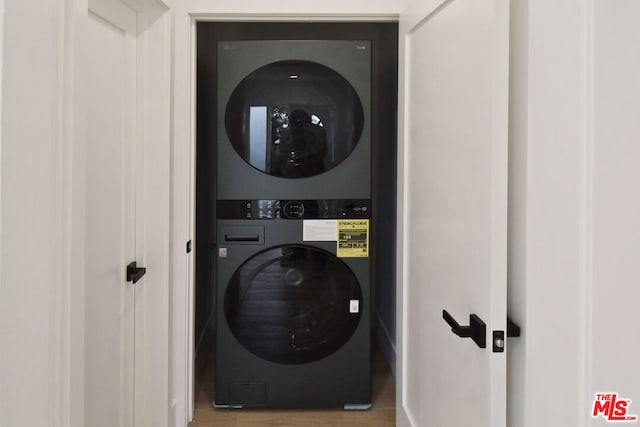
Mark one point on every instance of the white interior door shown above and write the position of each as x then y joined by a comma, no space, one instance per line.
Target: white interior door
110,214
454,105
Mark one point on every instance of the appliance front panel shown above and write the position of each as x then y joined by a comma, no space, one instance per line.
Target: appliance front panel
294,119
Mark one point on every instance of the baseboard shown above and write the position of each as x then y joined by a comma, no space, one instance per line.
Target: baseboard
387,344
402,418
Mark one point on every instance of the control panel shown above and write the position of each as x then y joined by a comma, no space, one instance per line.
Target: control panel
294,209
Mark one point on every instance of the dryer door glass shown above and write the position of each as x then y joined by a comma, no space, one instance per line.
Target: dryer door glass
294,119
293,304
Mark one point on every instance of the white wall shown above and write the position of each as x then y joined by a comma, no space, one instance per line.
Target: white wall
613,340
548,260
31,382
575,231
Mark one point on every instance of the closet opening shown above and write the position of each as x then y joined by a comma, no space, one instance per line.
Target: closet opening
213,208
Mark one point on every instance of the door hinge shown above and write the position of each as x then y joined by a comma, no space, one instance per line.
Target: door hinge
189,246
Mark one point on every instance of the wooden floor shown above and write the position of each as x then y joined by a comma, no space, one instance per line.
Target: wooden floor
382,414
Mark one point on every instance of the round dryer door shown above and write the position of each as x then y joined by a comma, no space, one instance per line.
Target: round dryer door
293,304
294,119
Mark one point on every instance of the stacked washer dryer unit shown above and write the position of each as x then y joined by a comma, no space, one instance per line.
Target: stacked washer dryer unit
293,208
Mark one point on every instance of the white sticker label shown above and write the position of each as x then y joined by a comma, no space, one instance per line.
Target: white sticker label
222,252
354,306
320,230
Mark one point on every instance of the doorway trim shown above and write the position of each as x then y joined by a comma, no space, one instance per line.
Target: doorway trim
184,187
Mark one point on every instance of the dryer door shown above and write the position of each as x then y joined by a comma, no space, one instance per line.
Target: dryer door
293,304
294,119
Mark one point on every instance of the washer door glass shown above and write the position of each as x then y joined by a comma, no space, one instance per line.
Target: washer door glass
294,119
293,304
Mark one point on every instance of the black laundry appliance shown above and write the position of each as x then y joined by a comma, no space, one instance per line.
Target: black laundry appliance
293,270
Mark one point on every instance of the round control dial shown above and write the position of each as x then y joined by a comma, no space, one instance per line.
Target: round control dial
293,209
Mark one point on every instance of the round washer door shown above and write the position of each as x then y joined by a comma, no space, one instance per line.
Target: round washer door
294,119
293,304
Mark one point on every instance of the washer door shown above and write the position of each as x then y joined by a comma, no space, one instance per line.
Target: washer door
294,119
293,304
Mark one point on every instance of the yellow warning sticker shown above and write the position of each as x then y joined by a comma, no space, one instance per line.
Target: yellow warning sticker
353,238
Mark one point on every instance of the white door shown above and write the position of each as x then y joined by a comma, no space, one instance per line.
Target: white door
454,56
110,214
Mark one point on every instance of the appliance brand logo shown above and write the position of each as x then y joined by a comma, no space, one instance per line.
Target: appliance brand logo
612,408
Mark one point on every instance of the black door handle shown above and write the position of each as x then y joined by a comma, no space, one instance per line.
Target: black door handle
513,330
135,273
477,329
